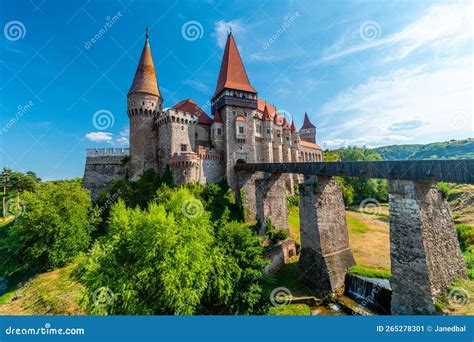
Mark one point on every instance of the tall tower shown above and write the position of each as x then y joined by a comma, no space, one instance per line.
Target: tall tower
144,104
308,130
235,101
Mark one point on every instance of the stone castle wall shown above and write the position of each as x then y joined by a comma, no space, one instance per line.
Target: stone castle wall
101,170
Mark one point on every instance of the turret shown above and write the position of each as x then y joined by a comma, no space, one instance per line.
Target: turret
236,102
267,134
217,131
144,104
308,130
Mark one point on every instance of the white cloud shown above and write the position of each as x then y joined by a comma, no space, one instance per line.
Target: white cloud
99,136
221,29
368,141
407,125
431,102
198,85
441,26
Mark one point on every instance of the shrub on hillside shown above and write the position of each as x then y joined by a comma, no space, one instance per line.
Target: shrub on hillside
169,259
52,229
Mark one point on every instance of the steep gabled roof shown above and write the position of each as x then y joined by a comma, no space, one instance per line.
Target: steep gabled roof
307,123
232,74
190,106
293,127
145,77
217,117
266,114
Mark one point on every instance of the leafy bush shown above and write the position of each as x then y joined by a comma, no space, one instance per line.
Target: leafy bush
465,236
169,259
53,228
293,201
466,242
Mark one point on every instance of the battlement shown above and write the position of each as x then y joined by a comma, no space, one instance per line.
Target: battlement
183,159
209,153
103,152
178,116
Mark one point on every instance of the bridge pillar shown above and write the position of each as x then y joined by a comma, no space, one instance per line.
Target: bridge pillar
271,201
425,254
325,252
245,193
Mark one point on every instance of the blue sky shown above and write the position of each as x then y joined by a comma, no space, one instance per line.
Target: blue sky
368,73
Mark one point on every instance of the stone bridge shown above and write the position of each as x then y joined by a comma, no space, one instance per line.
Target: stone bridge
424,250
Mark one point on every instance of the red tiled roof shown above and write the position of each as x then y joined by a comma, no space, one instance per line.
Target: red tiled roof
293,127
232,74
266,114
217,117
145,77
309,144
190,106
239,118
307,123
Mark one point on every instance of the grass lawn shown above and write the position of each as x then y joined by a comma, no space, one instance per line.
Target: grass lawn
294,223
50,293
7,220
290,310
369,237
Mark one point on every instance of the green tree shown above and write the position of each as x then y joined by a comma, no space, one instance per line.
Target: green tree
169,259
53,228
363,188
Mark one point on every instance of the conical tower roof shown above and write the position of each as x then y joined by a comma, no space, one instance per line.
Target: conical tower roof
307,123
232,74
266,114
145,77
293,127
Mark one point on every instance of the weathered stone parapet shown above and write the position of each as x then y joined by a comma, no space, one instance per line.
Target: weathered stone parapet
245,193
425,253
325,252
102,170
271,201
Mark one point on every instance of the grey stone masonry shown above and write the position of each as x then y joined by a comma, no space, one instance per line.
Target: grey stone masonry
424,250
271,201
245,193
325,252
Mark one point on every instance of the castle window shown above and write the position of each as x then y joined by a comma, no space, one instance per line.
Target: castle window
219,131
182,128
143,103
268,131
233,112
241,130
184,147
287,139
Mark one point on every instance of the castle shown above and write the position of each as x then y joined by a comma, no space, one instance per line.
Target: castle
196,147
